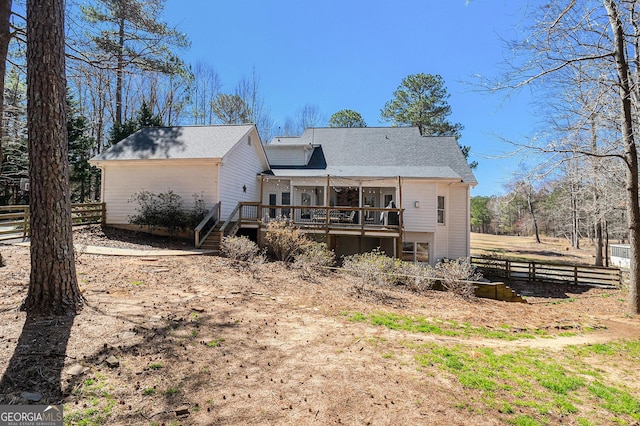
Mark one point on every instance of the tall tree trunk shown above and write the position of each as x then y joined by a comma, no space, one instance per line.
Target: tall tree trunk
630,153
5,36
596,193
598,232
53,286
533,216
575,231
120,70
606,242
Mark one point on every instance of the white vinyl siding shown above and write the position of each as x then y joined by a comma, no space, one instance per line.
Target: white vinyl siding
288,155
423,217
239,170
122,179
458,217
442,230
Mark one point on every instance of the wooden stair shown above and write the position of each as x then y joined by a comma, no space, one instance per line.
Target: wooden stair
498,291
213,241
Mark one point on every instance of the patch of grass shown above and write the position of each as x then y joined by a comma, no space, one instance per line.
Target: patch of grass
216,342
155,366
356,317
537,382
526,421
172,391
149,391
136,282
615,400
87,417
419,324
98,399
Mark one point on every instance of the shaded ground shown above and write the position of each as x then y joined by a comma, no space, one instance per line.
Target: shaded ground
197,340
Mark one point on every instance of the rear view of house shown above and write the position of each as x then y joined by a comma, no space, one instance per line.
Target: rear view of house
354,188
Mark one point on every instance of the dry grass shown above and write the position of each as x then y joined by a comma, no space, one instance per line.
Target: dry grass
526,248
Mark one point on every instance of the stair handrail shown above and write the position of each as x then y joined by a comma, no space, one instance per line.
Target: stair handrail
207,225
235,212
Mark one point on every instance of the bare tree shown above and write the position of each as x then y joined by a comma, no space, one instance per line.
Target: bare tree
205,86
248,88
591,41
53,286
306,117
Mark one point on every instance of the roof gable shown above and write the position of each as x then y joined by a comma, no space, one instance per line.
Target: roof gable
178,142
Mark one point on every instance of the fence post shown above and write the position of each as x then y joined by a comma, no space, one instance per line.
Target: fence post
575,275
103,213
507,270
25,226
532,271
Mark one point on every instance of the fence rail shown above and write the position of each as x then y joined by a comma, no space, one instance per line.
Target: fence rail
14,220
515,270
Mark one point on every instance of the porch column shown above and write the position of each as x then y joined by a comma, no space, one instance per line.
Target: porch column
260,205
326,193
399,192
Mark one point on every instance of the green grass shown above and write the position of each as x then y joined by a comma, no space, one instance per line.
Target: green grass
99,403
149,391
419,324
538,383
172,391
136,282
615,400
216,342
155,366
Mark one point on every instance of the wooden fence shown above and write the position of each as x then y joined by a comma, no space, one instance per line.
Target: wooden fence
515,270
14,220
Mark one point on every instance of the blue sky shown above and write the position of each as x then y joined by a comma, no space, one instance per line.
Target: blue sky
353,54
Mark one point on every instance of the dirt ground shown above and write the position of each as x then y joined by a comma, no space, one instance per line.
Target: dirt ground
199,340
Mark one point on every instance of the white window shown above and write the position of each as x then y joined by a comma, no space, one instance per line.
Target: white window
440,210
415,252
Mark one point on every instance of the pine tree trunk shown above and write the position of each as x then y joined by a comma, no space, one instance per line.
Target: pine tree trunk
5,36
53,286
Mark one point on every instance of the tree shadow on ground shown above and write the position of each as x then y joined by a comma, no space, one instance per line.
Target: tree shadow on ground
36,365
548,290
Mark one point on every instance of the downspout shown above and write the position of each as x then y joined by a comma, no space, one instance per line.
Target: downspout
261,196
468,218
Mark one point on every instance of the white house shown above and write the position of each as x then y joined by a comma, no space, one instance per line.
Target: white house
355,188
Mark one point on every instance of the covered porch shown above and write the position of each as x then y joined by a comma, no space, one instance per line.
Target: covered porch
331,201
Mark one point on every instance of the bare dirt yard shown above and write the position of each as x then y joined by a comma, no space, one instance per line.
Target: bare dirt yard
199,340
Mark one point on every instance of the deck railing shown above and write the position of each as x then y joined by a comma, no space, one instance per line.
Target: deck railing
321,217
207,224
14,220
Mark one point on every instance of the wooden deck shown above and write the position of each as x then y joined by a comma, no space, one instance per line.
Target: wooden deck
362,221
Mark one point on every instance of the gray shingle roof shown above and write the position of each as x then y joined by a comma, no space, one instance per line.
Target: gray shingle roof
384,152
180,142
